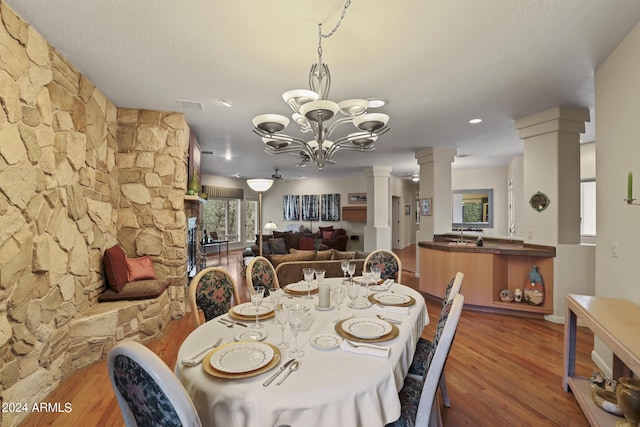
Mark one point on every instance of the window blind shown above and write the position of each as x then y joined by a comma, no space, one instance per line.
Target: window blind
214,192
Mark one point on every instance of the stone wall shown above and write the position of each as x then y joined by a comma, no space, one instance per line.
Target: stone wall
77,175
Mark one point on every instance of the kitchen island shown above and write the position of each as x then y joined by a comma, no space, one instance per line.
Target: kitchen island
500,263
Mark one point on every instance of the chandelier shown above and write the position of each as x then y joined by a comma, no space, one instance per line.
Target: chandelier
312,112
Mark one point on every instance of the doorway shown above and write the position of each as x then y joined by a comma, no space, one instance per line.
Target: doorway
395,223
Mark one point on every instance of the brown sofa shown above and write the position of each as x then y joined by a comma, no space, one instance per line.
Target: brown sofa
281,243
334,238
289,267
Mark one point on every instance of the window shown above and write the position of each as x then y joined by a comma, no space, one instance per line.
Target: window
221,216
250,220
588,208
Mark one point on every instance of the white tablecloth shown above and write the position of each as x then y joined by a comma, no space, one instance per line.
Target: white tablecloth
331,387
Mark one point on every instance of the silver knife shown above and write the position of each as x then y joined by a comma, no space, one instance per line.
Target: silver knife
233,323
278,372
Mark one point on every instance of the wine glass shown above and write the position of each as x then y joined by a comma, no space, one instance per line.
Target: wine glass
375,275
257,295
366,277
296,320
353,292
275,295
351,269
282,317
344,265
308,278
338,293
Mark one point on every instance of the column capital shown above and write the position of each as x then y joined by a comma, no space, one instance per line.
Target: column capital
377,171
557,119
436,154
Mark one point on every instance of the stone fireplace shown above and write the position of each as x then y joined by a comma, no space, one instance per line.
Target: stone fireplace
77,175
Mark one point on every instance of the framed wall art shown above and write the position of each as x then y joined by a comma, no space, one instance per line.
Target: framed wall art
310,208
357,198
425,206
330,207
291,208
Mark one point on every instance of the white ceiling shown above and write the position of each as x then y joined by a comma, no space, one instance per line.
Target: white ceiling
439,63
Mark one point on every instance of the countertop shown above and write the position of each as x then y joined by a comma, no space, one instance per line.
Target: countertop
496,246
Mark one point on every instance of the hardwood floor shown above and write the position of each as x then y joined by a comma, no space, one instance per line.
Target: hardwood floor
502,370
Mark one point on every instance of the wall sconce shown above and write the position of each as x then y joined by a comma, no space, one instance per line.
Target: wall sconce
260,186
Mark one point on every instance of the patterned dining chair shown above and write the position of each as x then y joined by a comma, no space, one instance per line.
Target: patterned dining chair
418,405
148,393
388,263
213,291
260,272
417,368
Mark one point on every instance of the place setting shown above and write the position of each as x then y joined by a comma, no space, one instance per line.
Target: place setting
241,359
391,299
254,310
306,288
362,333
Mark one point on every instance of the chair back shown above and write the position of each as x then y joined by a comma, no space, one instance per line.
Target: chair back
260,272
213,291
445,332
453,288
389,264
148,393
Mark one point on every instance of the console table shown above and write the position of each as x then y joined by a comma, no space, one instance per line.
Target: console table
213,244
614,321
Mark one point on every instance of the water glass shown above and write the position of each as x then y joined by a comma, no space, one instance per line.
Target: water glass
257,295
308,278
351,269
296,320
375,274
276,296
282,317
344,265
353,292
338,293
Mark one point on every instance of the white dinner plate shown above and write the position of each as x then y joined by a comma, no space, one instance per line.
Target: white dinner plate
242,356
248,309
326,341
361,280
302,287
389,298
366,327
380,288
251,335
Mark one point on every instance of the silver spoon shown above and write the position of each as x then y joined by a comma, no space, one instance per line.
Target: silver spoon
228,325
292,367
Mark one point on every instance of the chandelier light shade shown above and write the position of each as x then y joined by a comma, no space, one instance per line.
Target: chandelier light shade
313,112
260,186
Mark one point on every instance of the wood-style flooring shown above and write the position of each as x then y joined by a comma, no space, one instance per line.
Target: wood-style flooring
502,370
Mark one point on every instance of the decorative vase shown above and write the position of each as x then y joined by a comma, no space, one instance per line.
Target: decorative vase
628,395
534,288
194,187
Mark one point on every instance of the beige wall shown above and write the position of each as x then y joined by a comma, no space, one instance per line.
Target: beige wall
618,152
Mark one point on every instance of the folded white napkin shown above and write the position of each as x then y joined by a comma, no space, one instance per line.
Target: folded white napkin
392,309
369,349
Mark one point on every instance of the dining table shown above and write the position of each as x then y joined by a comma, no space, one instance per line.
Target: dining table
333,385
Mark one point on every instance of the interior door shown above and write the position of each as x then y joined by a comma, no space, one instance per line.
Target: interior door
395,223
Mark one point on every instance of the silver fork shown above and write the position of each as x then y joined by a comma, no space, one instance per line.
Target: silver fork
195,360
354,345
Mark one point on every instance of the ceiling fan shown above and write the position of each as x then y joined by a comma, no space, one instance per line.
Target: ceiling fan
276,176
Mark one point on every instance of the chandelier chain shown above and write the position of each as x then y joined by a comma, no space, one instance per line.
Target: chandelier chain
335,28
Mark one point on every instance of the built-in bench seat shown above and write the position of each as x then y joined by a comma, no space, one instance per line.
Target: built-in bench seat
96,331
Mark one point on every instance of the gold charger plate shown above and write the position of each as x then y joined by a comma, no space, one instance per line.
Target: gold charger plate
344,334
300,293
242,317
404,304
206,364
360,279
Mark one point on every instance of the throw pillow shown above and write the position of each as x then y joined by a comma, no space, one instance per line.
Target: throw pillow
324,255
297,256
306,244
327,234
141,268
291,240
343,255
115,268
278,247
323,229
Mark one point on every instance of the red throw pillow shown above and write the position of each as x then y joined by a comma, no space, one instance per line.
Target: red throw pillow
327,235
306,244
115,267
141,268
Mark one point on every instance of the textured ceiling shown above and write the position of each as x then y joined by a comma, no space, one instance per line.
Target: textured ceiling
439,63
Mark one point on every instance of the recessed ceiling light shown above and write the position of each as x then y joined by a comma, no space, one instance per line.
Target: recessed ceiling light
474,121
377,102
190,105
227,102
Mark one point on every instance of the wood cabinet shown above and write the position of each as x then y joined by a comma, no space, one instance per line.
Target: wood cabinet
354,213
487,271
616,323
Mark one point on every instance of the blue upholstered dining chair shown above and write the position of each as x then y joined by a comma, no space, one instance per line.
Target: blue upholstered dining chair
388,263
417,368
213,291
418,405
148,392
260,272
